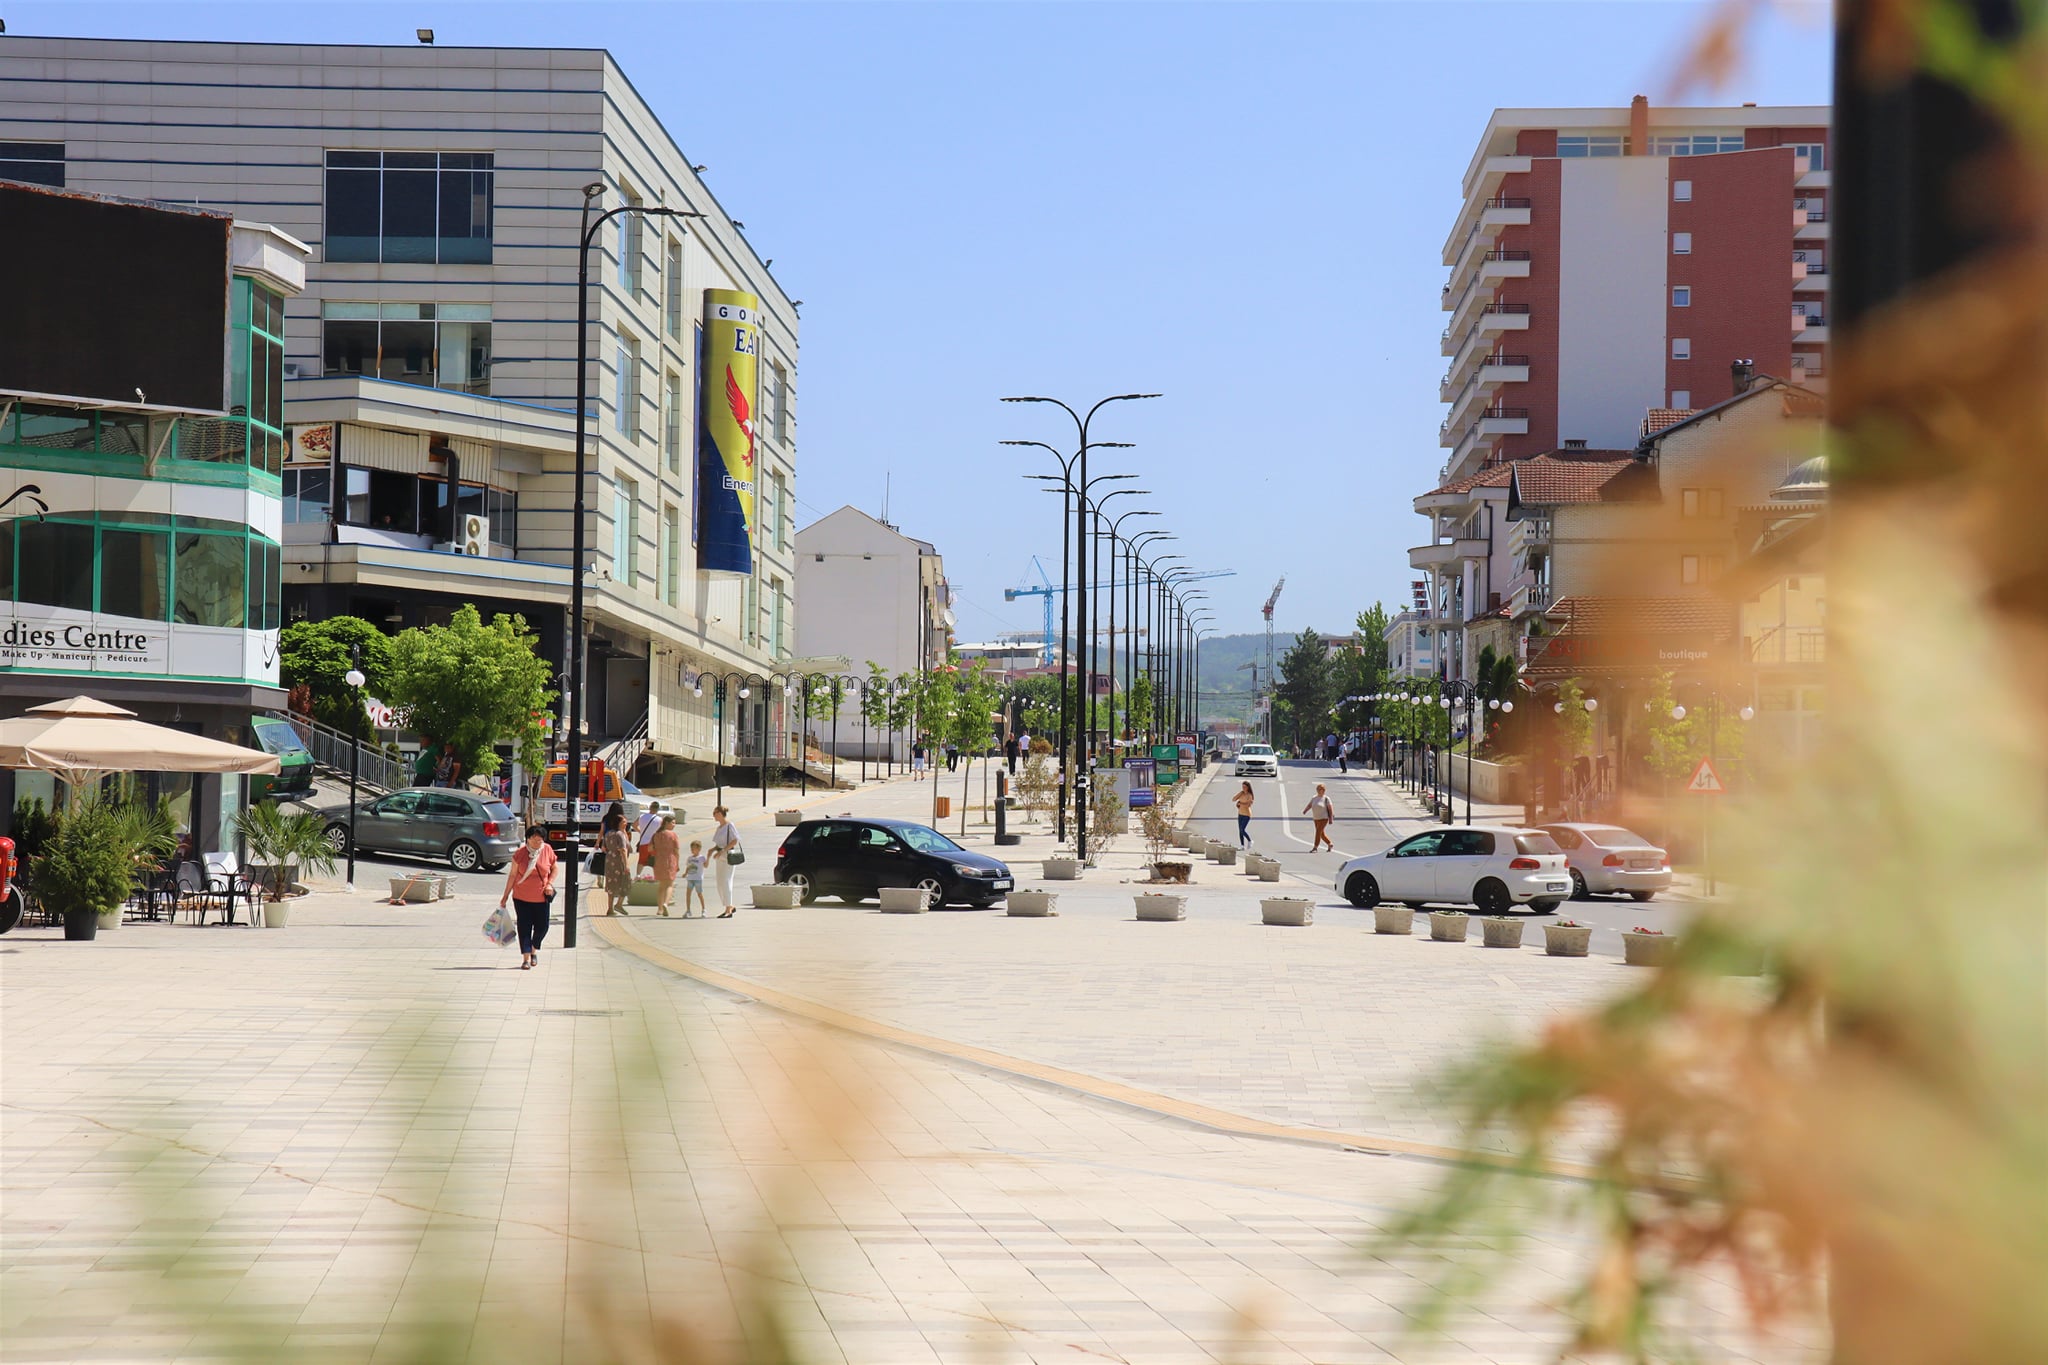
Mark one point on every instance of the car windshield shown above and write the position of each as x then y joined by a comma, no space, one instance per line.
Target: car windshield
497,810
1257,749
1613,836
1536,842
926,840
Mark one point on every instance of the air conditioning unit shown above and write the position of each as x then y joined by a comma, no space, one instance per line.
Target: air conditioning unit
476,536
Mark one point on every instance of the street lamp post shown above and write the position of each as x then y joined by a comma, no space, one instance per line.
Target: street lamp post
1136,592
354,678
1115,530
572,780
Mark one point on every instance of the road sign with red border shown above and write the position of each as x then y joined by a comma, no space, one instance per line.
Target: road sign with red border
1704,780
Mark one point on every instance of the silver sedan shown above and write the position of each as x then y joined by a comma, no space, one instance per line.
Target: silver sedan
1610,860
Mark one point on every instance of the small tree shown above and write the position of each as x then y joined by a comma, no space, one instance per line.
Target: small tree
472,685
1035,781
899,705
317,656
1138,705
973,724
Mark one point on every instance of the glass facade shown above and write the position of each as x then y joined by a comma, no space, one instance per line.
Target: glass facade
146,565
438,346
424,207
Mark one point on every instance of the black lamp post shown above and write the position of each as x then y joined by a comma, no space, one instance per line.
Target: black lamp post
354,678
572,777
1115,538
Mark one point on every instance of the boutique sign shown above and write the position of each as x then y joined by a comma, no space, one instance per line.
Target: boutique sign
50,639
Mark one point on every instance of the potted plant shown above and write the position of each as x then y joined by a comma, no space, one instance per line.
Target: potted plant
1156,823
1159,906
1502,931
280,846
789,817
1641,947
1223,854
1449,926
773,896
1567,938
1269,869
904,900
87,865
1061,867
1295,912
1033,904
1393,919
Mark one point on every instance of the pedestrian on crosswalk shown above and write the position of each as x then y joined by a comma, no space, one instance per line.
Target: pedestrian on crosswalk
1320,810
1243,801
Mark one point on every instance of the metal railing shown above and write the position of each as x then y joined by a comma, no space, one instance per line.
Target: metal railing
622,753
330,750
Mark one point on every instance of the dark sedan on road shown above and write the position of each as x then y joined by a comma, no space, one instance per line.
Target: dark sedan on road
472,832
854,859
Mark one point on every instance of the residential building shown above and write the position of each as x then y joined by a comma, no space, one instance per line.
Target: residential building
1609,261
430,377
140,443
871,595
1411,646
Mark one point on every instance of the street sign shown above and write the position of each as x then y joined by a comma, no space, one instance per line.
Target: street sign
1705,781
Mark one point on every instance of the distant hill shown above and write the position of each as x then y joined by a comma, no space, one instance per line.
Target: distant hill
1226,683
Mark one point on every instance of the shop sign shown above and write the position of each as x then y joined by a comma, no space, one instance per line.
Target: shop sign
1165,764
52,639
1142,772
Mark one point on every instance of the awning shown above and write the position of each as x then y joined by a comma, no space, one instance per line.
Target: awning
80,738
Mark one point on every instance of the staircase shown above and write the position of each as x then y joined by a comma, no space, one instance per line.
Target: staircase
622,753
330,750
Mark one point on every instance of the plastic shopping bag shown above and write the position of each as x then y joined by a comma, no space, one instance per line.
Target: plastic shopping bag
500,928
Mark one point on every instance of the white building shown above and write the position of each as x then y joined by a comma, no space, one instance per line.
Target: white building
442,190
871,595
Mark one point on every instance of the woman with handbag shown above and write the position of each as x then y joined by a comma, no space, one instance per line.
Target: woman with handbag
726,854
530,886
616,851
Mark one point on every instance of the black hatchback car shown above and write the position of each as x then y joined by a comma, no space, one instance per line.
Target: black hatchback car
854,859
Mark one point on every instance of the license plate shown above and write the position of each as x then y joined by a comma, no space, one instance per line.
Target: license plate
1558,886
1641,865
1002,886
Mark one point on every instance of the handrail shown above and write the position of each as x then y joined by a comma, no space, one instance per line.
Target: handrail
1505,412
330,749
1501,201
1499,254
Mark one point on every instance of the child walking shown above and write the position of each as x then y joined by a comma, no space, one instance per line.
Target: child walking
693,880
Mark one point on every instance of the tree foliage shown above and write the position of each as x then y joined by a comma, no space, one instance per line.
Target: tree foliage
474,686
1304,687
316,655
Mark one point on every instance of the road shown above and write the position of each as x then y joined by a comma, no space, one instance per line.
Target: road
1372,815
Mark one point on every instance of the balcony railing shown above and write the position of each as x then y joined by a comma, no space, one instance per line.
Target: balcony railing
1504,412
1500,255
1501,201
1813,268
1499,359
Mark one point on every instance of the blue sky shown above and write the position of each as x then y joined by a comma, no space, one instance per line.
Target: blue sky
1239,206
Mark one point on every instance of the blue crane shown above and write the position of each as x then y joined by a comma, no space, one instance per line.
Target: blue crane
1046,591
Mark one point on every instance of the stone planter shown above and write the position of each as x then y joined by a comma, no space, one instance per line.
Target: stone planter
276,914
422,888
1223,854
107,919
1180,838
1172,872
1393,919
773,896
789,817
1295,912
1162,907
1033,904
1449,926
1269,869
81,925
1501,932
1567,940
1062,869
903,900
1647,950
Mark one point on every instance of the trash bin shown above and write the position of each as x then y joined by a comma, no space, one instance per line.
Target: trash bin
942,807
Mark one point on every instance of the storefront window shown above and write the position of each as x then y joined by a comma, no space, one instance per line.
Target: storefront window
135,573
307,495
446,346
264,589
54,563
211,571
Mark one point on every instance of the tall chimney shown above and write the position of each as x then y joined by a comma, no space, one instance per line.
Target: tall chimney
1639,126
1740,371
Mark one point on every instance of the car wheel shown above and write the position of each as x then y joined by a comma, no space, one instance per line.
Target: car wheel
1580,892
494,867
1491,896
1414,905
1643,895
1547,906
464,856
934,892
337,839
1362,891
805,892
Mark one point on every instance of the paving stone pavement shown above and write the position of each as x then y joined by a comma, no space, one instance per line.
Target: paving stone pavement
367,1137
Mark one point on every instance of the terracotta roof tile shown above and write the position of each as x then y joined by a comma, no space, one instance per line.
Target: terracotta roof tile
1660,418
1582,614
1546,480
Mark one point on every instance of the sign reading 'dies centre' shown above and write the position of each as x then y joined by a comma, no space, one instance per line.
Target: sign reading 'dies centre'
51,638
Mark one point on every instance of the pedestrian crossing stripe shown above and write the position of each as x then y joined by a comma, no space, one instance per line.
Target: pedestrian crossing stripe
1705,781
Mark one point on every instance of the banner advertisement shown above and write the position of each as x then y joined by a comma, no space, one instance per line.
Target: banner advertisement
1165,764
1141,773
729,365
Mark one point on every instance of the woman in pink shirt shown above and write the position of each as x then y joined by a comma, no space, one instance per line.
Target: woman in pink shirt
530,886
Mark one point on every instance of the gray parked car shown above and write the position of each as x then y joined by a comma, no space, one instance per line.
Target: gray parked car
472,832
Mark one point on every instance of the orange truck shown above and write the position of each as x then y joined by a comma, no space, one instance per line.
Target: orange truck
600,787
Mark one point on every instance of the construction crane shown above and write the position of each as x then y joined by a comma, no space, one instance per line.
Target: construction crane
1272,600
1046,591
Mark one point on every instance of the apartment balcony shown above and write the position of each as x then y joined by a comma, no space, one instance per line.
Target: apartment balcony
1493,371
1809,224
1809,326
1503,317
1494,214
1503,369
1530,599
1527,537
1809,275
1806,178
1501,265
1434,556
1498,421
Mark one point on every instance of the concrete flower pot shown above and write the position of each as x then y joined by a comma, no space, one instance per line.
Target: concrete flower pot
276,914
1501,932
789,817
903,900
1172,872
1393,919
1162,907
418,889
1295,912
1449,926
1647,950
1062,869
109,918
1269,869
1567,940
773,896
1222,854
1033,904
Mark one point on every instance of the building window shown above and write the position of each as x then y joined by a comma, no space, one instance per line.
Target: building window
626,532
1681,296
776,402
1689,570
776,639
1681,348
1681,244
435,345
1816,154
1681,191
672,421
1681,399
672,304
631,233
1710,502
39,163
671,553
1592,145
627,391
1689,502
778,489
753,611
425,207
1696,144
308,495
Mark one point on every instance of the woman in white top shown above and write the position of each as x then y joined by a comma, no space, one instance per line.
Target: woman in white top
724,840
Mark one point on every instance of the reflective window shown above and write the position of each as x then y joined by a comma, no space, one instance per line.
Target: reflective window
39,163
423,207
211,577
308,495
135,573
445,346
55,563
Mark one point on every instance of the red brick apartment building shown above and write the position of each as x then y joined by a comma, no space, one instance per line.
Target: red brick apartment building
1611,261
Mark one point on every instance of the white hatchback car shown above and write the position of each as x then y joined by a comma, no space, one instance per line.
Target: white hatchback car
1495,867
1607,859
1257,760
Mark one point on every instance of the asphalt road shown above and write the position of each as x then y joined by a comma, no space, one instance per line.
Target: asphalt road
1372,815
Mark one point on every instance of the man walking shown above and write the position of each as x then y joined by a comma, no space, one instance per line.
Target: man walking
1010,754
1322,812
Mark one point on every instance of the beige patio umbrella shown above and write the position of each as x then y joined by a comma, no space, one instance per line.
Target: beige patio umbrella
79,739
